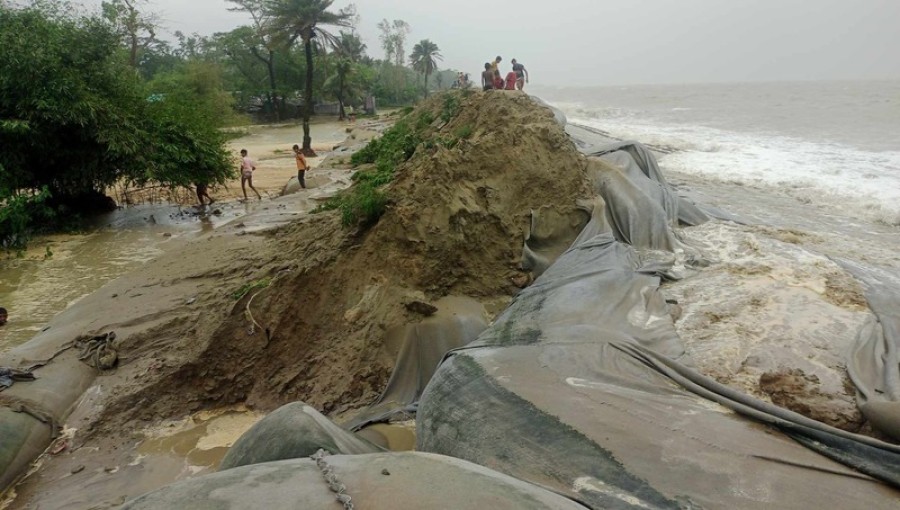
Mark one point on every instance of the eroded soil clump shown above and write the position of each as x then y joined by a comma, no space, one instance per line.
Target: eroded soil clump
795,390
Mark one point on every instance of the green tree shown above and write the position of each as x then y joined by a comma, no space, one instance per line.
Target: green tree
393,41
261,43
304,19
136,28
182,120
348,51
75,118
424,58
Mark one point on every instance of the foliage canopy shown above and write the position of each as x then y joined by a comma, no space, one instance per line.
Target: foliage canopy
75,117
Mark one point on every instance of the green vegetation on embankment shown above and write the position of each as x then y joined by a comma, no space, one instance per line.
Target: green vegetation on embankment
365,201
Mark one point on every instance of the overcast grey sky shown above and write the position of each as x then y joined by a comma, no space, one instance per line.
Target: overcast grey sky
615,42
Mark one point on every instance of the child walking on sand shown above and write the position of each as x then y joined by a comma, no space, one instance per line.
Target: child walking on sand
247,169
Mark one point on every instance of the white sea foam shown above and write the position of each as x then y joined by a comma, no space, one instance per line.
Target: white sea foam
863,183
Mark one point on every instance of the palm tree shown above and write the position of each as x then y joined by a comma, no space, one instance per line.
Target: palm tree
302,19
424,59
349,50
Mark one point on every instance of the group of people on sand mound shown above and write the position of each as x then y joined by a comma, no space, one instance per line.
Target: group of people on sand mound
248,166
515,79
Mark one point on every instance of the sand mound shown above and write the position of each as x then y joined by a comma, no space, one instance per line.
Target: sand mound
455,224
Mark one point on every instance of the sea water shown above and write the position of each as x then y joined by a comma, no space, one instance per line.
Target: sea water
811,173
836,144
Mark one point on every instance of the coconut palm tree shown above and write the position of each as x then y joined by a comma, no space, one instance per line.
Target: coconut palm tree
303,19
348,51
424,59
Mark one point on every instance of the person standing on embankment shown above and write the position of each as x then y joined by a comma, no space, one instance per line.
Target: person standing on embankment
487,77
521,74
302,166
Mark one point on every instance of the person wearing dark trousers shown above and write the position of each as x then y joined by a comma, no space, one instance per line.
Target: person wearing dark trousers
302,166
203,192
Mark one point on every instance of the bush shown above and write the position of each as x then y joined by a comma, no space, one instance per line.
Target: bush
250,287
463,132
365,202
451,107
18,214
396,145
76,118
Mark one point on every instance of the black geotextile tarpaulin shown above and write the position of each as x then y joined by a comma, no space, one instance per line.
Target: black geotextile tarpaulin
375,481
641,170
874,364
456,322
582,386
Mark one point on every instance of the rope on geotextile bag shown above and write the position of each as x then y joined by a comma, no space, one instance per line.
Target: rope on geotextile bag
338,488
249,314
10,376
98,351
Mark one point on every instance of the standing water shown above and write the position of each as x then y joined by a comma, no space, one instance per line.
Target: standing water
58,270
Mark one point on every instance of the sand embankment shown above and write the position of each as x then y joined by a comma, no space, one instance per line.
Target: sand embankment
317,298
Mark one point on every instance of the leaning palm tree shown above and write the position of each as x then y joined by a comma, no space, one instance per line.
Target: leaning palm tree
303,19
424,59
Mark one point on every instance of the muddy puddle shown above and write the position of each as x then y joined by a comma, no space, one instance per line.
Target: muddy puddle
396,437
93,477
161,454
200,441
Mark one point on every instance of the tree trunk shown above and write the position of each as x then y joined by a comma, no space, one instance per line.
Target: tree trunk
307,99
132,59
426,84
273,92
340,97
